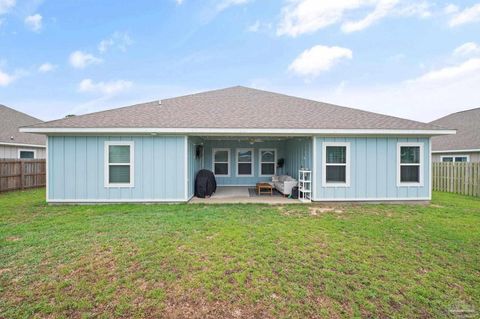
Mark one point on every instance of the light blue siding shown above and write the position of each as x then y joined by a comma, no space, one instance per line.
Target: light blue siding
298,154
76,169
373,170
194,163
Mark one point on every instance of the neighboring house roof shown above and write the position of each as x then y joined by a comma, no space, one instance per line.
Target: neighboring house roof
467,124
10,122
238,108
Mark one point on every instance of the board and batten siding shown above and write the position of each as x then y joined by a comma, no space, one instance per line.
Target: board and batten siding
76,169
373,170
11,151
194,163
298,154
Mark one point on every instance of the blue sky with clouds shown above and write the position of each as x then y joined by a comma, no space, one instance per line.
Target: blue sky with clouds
414,59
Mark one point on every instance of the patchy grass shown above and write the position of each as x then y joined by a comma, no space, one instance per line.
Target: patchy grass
238,261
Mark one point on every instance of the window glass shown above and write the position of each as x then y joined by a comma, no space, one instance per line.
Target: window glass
245,156
221,169
244,162
447,159
461,159
221,156
410,154
268,156
336,154
120,174
268,169
119,154
336,174
410,174
27,154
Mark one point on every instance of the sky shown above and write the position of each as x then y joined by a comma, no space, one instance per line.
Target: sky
413,59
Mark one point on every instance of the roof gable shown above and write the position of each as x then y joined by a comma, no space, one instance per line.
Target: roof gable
10,122
237,108
467,124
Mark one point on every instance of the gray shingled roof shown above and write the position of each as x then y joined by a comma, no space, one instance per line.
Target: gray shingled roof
467,124
11,120
237,107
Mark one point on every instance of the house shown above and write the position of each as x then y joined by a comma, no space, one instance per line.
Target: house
15,144
151,152
465,145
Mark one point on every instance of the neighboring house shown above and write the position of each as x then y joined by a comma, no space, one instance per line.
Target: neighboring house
151,152
465,145
14,144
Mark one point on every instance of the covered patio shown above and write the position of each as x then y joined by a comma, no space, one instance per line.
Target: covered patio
240,162
242,194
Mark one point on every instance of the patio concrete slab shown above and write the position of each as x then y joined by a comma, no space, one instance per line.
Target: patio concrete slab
239,194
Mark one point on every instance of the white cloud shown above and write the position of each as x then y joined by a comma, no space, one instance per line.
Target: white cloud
105,88
46,67
381,10
450,73
179,2
306,16
119,40
6,5
34,22
450,8
80,60
465,16
5,78
224,4
254,27
469,48
318,59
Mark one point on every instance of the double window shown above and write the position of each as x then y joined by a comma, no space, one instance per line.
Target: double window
268,162
336,164
410,164
455,159
221,162
245,162
26,154
119,164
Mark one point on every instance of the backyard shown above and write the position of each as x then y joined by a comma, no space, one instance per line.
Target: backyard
239,261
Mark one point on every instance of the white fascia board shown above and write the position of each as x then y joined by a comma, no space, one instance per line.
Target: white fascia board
236,131
23,145
458,151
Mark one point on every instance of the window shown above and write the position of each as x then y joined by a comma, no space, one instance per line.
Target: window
26,154
268,162
455,159
119,164
245,162
410,164
336,164
221,161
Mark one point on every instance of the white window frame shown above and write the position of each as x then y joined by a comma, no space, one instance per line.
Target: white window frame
238,150
261,162
421,164
108,164
27,150
228,161
324,164
453,158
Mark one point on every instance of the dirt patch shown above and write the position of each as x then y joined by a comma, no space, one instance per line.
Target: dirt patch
13,238
316,211
4,270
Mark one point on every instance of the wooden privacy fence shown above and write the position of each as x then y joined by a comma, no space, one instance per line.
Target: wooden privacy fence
21,174
460,178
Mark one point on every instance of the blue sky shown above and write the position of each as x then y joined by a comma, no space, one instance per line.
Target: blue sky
414,59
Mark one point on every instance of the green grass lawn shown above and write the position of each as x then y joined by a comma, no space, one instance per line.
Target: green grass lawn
238,261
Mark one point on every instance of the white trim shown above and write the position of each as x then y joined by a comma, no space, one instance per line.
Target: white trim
46,170
458,151
186,184
228,161
252,150
324,164
453,157
260,162
411,199
26,150
140,200
239,131
421,165
430,164
107,164
314,170
24,145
